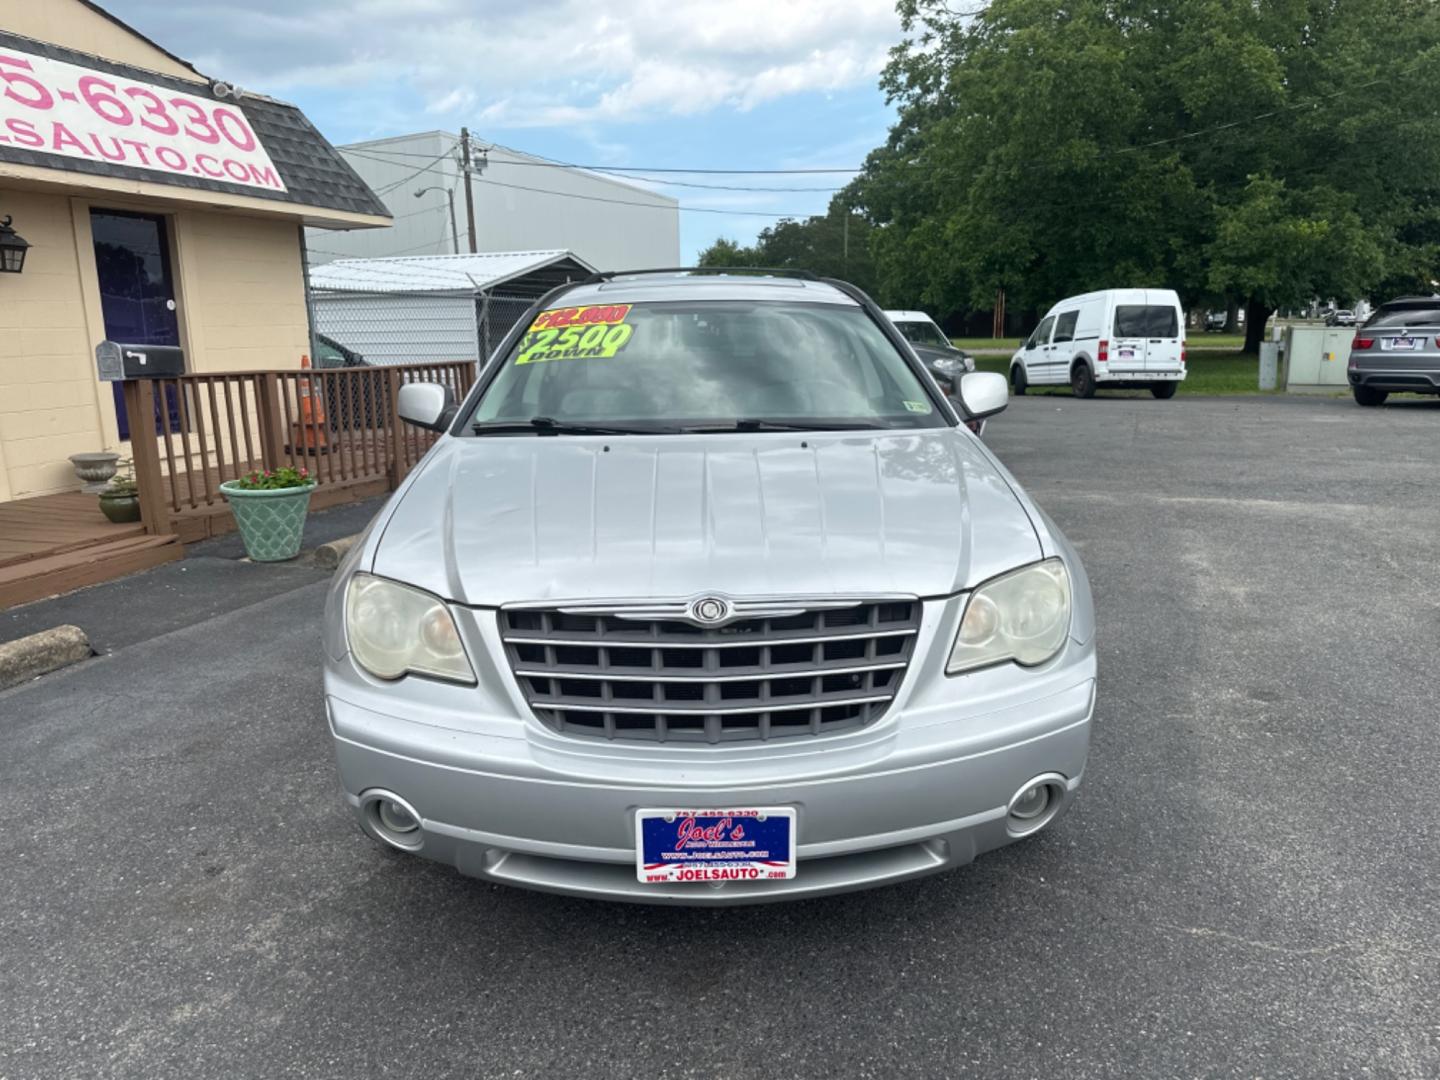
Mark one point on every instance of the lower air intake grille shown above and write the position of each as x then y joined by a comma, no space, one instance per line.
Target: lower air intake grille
663,680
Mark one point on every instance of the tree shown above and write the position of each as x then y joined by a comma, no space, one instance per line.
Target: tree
834,244
725,252
1270,150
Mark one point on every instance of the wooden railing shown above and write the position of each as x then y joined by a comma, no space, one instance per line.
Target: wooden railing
341,425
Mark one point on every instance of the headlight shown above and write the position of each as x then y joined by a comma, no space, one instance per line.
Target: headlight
394,630
1022,616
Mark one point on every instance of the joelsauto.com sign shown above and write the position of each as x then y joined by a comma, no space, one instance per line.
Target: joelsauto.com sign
57,108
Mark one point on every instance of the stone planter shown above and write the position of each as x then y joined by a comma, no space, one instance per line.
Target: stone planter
95,468
271,523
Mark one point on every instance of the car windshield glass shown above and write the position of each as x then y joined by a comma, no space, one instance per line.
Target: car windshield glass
922,333
1406,316
663,368
1146,320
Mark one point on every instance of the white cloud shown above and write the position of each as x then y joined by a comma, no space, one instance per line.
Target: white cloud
542,62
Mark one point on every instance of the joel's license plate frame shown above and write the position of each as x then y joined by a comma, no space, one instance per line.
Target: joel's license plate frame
721,845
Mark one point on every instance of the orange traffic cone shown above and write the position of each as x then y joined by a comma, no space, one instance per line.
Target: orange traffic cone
310,431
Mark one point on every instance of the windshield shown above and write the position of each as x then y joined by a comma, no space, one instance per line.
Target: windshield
1419,315
922,333
677,366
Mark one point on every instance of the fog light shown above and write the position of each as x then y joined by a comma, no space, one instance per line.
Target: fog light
395,817
1031,803
1036,803
391,820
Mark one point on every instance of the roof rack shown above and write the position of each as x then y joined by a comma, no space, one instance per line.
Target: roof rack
606,275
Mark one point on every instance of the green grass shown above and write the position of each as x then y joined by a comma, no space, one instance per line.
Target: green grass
1195,339
1209,373
969,343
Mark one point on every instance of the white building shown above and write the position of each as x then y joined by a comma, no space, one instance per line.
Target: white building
522,203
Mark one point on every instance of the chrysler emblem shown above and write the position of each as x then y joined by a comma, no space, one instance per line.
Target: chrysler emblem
710,610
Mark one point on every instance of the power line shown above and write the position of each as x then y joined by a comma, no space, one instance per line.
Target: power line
630,175
576,195
405,180
629,202
707,187
543,164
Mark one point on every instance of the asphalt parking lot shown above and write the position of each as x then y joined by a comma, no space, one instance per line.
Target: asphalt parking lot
1246,886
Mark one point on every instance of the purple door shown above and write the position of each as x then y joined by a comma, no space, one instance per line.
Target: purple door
137,295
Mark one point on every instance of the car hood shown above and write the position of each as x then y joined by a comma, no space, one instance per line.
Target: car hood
496,520
935,352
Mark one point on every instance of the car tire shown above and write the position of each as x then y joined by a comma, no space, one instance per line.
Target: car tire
1164,390
1082,381
1366,395
1018,381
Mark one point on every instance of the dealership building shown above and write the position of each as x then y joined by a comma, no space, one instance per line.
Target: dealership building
146,203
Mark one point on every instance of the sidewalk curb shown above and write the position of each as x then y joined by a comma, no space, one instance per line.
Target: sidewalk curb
38,654
328,556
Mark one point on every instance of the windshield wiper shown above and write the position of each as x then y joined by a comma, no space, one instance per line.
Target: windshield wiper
546,425
748,424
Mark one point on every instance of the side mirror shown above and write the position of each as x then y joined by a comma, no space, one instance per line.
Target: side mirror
427,405
984,393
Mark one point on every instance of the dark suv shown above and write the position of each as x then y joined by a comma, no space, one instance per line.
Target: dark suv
1398,349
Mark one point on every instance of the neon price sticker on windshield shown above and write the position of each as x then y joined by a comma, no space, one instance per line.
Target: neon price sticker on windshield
559,318
579,333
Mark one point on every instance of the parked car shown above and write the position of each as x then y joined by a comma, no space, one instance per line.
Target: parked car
329,353
706,595
940,356
1118,337
1214,322
1398,349
930,342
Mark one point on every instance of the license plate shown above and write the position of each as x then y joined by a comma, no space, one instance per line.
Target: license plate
1404,343
756,844
1126,354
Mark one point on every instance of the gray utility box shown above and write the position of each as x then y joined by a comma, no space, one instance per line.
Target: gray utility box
117,361
1316,357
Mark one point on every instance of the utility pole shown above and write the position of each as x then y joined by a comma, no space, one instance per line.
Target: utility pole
469,198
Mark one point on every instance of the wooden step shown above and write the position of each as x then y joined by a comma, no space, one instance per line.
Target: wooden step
36,579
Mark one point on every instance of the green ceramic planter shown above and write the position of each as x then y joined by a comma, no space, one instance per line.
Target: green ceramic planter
120,508
271,523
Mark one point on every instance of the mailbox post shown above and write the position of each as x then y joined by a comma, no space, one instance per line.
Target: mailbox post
134,366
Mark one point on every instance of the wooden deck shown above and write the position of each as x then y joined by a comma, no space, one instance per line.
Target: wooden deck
54,543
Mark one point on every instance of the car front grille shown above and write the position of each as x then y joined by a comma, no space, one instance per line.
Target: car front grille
820,670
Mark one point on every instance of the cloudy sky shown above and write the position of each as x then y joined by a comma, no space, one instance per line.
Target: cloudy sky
719,84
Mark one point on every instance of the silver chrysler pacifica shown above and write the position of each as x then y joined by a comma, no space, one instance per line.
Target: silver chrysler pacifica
708,594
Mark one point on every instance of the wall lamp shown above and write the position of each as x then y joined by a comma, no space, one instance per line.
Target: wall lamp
13,247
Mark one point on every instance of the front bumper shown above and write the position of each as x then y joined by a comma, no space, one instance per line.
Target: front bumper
923,789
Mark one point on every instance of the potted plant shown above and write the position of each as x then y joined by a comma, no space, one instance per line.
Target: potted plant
269,509
120,498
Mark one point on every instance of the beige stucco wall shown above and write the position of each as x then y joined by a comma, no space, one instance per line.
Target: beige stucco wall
75,26
241,306
48,389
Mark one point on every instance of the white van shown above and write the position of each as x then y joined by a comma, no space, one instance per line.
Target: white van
1118,337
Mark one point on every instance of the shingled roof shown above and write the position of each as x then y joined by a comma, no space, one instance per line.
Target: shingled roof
313,172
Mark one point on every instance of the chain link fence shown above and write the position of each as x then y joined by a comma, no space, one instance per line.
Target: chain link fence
355,329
